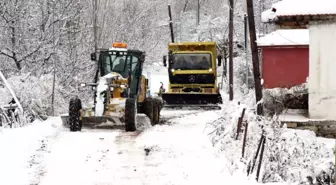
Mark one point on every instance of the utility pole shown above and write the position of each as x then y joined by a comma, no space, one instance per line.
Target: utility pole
246,49
224,67
181,23
54,65
95,25
94,15
255,59
198,13
171,24
231,51
225,62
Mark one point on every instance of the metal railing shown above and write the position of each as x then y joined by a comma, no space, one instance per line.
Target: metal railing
9,116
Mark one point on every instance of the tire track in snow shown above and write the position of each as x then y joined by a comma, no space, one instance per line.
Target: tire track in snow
100,157
36,162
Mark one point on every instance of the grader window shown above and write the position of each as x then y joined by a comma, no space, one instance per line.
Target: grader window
119,62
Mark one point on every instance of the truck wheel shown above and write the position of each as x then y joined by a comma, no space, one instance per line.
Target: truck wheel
75,106
149,109
130,115
220,100
157,105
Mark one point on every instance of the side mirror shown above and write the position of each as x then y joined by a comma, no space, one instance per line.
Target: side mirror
142,58
93,56
170,58
165,60
219,58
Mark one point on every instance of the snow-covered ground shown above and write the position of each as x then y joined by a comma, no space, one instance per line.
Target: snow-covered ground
180,152
23,149
184,150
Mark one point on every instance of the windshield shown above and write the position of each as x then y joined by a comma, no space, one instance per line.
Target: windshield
192,61
118,63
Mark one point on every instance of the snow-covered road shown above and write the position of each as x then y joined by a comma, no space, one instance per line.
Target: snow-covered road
178,153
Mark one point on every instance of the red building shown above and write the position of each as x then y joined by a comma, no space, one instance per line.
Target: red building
285,58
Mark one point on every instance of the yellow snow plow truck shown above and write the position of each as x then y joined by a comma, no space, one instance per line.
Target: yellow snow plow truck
192,73
120,93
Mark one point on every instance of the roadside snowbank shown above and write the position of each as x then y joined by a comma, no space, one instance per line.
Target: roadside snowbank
292,156
189,157
18,147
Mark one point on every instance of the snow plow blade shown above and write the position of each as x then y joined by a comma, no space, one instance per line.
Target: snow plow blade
192,101
94,122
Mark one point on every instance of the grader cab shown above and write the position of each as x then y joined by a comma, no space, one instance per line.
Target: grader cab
120,93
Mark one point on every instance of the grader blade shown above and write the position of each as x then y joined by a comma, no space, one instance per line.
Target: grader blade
98,122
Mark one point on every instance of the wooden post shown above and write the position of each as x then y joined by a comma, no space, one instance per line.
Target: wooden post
244,141
240,120
231,51
256,155
171,24
260,158
255,59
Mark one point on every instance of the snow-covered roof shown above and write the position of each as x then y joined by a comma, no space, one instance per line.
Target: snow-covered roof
300,7
285,37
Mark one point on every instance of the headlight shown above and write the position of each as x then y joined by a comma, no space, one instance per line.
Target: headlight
111,88
210,69
172,70
82,84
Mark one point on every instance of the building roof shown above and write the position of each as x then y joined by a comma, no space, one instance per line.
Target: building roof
285,37
288,8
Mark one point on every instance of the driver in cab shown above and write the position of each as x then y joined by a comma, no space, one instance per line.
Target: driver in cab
181,63
120,66
204,63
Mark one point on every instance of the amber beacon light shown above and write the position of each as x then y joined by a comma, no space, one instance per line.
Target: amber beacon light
119,45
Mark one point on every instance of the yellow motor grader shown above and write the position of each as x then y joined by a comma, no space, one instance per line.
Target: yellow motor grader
120,93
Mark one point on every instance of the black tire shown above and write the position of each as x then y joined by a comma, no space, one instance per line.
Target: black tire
130,115
149,109
220,100
157,106
75,122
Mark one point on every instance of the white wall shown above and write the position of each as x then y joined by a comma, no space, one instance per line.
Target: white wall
322,70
